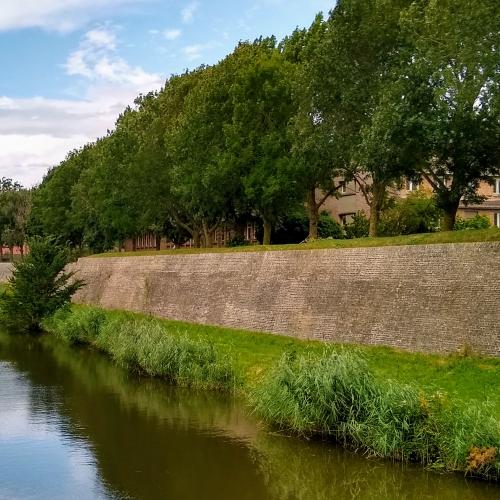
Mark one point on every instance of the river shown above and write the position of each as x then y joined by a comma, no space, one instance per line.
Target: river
75,426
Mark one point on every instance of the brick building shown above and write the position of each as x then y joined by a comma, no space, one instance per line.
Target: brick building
351,200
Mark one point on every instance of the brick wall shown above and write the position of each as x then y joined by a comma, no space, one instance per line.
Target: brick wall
434,298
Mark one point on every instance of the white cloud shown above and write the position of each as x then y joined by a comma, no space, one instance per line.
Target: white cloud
96,60
37,133
196,51
188,12
59,15
172,34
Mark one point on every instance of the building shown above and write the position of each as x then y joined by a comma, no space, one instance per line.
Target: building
351,201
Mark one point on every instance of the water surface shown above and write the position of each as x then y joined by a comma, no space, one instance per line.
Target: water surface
74,425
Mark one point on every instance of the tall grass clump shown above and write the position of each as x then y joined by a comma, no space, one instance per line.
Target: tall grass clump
144,346
334,395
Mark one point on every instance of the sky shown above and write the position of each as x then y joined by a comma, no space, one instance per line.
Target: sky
69,67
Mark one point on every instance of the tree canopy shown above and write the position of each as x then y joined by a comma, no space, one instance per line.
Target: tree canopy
377,91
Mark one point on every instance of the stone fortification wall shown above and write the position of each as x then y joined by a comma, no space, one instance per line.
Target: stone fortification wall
435,298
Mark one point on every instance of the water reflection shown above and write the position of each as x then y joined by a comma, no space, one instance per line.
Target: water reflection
72,422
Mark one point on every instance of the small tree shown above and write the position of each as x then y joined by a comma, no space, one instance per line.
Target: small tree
38,286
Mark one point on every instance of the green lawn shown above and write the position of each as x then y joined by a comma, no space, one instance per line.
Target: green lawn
465,236
462,377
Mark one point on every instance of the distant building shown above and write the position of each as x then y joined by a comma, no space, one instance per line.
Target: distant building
351,200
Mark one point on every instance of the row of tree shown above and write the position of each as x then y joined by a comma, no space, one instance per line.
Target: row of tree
15,206
378,91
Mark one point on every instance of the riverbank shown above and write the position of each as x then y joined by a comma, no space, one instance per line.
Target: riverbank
444,419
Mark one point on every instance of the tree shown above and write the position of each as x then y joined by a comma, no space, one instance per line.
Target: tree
314,162
204,186
452,75
350,72
257,137
39,285
15,206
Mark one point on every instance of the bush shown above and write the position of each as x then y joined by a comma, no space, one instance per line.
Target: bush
476,222
145,346
417,213
334,395
359,227
329,228
38,286
237,241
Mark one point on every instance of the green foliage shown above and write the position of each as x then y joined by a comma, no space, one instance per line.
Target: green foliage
38,286
329,228
146,347
335,395
358,227
15,207
417,213
476,222
377,91
237,241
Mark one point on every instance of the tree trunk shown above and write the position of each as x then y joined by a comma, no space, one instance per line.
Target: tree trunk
267,232
196,239
11,249
378,194
374,220
450,215
313,212
208,235
158,242
134,244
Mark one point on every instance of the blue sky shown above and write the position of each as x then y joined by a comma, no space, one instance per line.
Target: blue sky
70,66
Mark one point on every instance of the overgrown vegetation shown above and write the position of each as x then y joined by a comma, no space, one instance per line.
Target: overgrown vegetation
334,395
440,412
143,346
38,287
476,222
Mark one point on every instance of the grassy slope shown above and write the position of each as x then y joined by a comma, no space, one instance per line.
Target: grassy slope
464,378
465,236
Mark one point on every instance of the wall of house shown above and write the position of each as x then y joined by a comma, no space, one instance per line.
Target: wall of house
5,271
436,298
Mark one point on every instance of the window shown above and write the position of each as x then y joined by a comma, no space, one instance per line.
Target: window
412,185
496,219
346,218
496,186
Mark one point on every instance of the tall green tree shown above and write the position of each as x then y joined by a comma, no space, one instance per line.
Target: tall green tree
350,71
257,137
452,76
315,166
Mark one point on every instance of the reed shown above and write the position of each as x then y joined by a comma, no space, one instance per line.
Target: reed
333,395
144,346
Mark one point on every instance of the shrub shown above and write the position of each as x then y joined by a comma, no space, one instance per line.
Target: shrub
359,227
476,222
417,213
237,241
329,228
38,286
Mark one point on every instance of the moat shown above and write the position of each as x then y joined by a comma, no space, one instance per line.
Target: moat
74,425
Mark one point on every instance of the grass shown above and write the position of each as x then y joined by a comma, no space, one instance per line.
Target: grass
464,236
335,395
438,410
142,346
